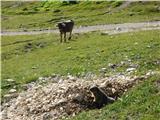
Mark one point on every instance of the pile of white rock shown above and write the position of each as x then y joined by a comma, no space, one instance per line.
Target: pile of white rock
57,97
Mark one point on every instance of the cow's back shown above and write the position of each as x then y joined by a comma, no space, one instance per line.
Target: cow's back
69,25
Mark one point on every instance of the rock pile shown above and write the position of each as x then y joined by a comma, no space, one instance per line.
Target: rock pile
55,97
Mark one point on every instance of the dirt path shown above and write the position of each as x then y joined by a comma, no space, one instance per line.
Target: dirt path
111,28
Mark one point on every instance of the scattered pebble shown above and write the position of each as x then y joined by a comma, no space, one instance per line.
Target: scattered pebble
10,80
12,90
68,48
105,33
103,70
130,69
118,29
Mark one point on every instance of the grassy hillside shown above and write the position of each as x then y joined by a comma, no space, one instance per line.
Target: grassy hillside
45,14
25,58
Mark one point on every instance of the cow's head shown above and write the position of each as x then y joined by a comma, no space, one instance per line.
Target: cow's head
60,25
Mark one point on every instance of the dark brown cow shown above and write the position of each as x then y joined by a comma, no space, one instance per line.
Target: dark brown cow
65,27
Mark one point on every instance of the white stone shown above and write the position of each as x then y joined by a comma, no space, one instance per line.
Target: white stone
10,80
118,29
105,33
12,90
130,69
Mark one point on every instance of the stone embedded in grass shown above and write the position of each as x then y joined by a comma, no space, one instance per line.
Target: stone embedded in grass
10,80
68,48
103,70
34,67
70,77
148,46
41,78
24,87
113,66
53,75
105,33
130,69
12,90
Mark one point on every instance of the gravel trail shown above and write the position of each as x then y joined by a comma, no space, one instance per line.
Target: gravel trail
111,28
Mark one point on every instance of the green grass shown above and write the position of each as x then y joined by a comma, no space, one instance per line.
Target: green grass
85,53
45,14
27,57
140,103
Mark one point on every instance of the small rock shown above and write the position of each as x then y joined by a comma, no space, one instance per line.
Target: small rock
74,114
122,63
103,70
10,80
78,98
130,69
150,73
46,116
133,65
118,29
41,78
129,60
105,33
34,67
7,97
68,48
62,101
25,86
113,90
148,46
3,114
89,75
60,81
53,75
6,105
70,77
12,90
113,66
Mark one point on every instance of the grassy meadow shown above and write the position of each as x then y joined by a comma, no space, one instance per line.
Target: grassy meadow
45,14
25,58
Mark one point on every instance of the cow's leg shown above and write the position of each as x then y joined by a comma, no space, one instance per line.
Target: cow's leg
64,36
61,37
70,35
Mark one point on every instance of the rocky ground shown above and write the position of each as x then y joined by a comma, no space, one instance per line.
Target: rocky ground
58,97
